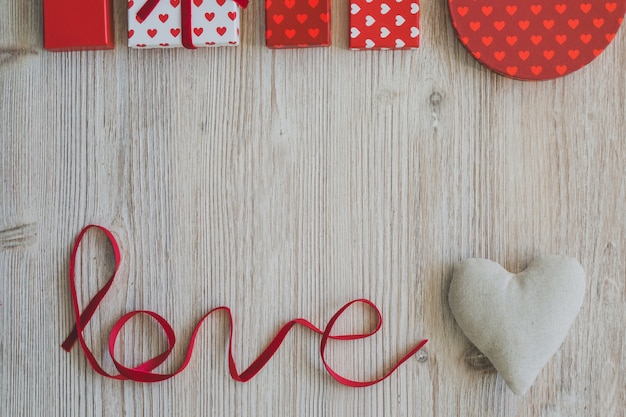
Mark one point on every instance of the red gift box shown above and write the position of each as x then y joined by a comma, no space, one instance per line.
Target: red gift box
529,41
77,25
386,24
297,23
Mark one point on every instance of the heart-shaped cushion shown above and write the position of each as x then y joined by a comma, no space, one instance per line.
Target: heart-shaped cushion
517,320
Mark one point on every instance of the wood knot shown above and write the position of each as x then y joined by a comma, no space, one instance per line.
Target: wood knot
21,235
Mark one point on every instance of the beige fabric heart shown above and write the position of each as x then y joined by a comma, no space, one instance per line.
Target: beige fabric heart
517,320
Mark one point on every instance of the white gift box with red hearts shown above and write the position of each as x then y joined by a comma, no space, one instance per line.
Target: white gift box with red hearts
213,23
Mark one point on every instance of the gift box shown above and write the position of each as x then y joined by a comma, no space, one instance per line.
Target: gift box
183,23
297,23
390,24
536,40
77,25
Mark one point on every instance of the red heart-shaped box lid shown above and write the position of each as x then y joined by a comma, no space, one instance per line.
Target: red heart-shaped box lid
536,40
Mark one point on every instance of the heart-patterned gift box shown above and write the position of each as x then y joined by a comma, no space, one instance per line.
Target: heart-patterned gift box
297,23
387,24
536,40
183,23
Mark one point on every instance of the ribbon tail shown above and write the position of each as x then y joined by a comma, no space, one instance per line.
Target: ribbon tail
146,9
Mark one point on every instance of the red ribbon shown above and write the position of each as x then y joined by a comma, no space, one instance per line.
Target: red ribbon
144,372
185,17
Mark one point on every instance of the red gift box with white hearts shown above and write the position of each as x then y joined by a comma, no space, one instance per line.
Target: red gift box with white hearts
386,24
183,23
297,23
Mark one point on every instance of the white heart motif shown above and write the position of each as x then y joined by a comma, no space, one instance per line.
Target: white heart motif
369,43
354,32
369,20
384,8
415,32
517,321
384,32
399,20
415,8
400,43
354,8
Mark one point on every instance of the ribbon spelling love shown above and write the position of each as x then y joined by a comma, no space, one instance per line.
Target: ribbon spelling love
145,371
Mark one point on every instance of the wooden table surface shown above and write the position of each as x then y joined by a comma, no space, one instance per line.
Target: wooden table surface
284,184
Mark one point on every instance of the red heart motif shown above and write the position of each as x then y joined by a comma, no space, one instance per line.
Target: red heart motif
325,17
268,4
278,18
301,17
198,3
131,33
290,33
130,3
163,17
174,3
314,32
268,34
175,32
221,30
164,44
536,39
209,16
314,3
290,3
220,2
141,45
232,16
152,32
198,31
511,9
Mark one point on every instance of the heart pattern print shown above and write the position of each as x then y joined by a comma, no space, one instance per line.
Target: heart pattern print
387,24
536,40
297,23
214,23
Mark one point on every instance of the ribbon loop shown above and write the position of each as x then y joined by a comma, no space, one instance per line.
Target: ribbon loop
144,371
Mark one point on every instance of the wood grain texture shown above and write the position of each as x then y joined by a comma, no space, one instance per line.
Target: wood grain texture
284,184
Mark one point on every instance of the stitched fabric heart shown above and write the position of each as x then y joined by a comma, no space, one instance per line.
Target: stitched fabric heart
517,320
